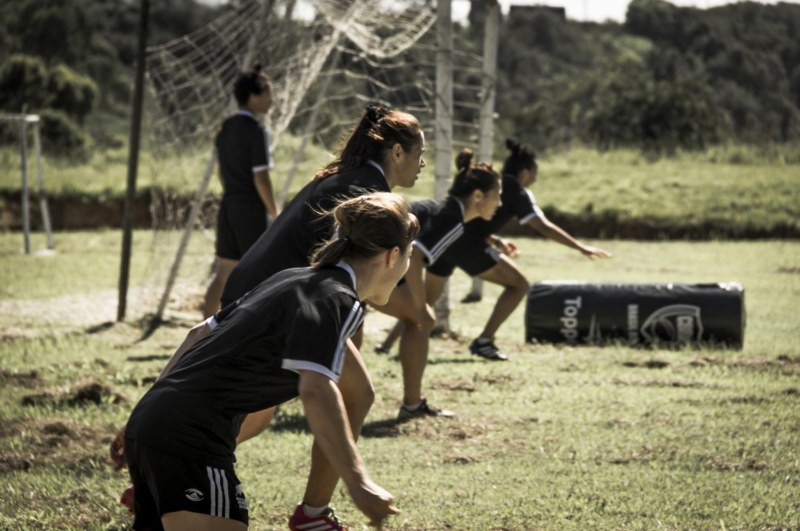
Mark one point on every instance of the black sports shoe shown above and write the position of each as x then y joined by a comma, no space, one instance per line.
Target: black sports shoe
485,348
380,349
424,410
471,297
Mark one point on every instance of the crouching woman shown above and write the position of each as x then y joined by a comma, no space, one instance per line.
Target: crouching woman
285,338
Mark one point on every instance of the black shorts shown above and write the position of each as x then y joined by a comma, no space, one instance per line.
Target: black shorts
239,225
164,484
473,257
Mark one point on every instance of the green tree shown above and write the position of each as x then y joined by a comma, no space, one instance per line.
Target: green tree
23,84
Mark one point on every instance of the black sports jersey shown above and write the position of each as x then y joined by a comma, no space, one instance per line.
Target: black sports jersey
299,319
242,148
517,201
441,223
300,227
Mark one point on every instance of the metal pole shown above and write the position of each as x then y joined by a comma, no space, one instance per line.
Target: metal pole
444,128
26,214
491,24
133,161
37,142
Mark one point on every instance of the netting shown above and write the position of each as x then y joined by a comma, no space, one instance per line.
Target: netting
324,70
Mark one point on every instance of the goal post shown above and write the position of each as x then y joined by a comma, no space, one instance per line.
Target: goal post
23,123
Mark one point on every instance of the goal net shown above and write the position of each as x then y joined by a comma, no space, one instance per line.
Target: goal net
325,67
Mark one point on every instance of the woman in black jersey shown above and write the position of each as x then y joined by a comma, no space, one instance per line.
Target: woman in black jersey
245,160
181,436
475,193
481,253
383,151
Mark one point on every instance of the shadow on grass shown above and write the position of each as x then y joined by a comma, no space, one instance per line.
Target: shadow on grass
289,422
149,357
102,327
380,429
296,423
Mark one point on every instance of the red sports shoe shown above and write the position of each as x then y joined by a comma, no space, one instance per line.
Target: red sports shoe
327,521
127,499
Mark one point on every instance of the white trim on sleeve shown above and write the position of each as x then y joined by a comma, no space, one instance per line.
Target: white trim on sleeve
301,365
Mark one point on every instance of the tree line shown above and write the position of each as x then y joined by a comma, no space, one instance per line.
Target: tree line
667,78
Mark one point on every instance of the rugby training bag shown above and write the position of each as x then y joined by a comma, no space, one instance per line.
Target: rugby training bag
637,314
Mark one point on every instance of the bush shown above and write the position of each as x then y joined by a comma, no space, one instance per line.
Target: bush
63,137
71,92
23,84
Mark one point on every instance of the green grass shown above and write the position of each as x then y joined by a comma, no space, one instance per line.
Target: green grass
736,186
559,438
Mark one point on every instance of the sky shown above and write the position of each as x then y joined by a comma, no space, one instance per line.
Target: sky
584,10
592,10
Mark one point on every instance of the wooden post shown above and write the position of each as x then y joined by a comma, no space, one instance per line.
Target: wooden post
444,129
133,160
489,81
37,146
26,211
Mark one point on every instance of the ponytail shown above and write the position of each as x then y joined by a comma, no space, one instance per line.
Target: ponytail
471,177
379,129
521,158
253,81
365,226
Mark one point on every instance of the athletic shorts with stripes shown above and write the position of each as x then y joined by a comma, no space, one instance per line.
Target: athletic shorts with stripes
163,484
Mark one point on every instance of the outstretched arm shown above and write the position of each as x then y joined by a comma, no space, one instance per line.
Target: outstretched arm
328,419
550,230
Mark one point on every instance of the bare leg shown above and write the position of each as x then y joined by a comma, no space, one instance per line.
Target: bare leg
506,274
391,338
358,395
222,268
417,327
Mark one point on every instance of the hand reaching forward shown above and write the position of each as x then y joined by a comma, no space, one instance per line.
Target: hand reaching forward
374,501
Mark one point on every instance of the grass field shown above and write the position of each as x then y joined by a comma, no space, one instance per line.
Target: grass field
558,438
741,186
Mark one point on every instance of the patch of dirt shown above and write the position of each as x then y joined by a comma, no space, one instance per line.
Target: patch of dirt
495,379
460,460
659,383
750,464
705,361
81,395
647,364
28,380
455,385
789,270
71,313
54,442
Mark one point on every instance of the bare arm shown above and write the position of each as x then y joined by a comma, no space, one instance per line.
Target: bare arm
198,332
264,187
327,416
550,230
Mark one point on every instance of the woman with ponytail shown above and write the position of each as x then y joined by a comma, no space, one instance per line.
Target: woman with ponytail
382,152
481,253
180,438
475,193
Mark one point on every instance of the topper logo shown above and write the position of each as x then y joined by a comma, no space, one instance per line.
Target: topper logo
569,321
677,323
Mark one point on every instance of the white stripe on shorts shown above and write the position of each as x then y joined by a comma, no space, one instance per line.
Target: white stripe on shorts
218,489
